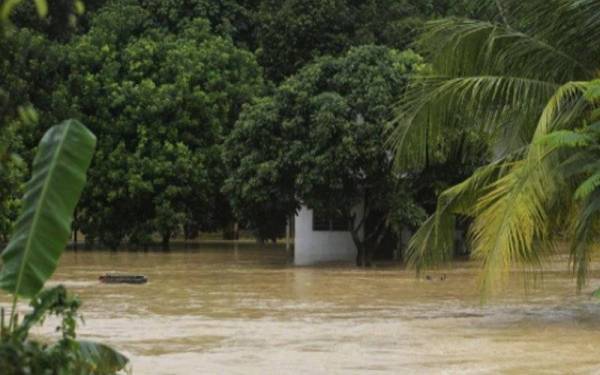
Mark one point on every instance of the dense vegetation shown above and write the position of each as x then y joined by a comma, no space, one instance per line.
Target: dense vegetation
527,83
214,112
162,84
318,141
40,235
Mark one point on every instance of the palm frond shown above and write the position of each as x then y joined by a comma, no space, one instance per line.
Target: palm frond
433,243
435,104
588,186
583,243
510,227
459,47
571,25
564,107
564,138
523,82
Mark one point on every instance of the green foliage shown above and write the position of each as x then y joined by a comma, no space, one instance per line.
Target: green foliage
97,358
30,258
21,355
61,20
168,79
12,172
317,140
291,33
59,168
44,225
28,67
519,80
161,104
234,18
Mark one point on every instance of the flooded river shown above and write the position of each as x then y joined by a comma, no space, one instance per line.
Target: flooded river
243,310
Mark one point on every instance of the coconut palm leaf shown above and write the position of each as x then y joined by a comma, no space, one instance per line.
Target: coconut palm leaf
586,229
510,223
565,138
523,82
43,227
433,243
483,102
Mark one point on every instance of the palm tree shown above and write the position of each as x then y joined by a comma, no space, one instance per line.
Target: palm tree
523,82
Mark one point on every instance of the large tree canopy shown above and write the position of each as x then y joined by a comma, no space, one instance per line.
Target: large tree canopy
162,83
291,33
318,140
160,104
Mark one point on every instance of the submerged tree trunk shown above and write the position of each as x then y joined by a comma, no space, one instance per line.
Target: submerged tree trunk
363,253
370,240
166,241
236,231
75,239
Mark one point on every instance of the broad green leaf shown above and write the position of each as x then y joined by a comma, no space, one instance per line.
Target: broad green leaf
79,7
100,359
596,293
6,8
43,228
42,7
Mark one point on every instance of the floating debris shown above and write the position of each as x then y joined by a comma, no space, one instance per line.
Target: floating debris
123,279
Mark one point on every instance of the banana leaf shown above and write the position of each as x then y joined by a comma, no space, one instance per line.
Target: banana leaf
100,359
44,225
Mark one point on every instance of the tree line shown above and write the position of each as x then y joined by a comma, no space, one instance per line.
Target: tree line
212,112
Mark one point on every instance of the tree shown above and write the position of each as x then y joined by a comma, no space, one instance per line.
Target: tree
29,73
160,104
291,33
64,18
232,18
317,141
515,81
12,174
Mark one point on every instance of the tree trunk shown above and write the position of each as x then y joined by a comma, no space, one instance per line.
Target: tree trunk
236,230
363,256
166,241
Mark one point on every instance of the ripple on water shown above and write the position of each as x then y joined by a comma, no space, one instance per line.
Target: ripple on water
226,311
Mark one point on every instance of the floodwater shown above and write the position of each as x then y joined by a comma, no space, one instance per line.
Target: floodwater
243,310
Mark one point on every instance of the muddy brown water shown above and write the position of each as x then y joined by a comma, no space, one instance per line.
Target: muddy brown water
245,310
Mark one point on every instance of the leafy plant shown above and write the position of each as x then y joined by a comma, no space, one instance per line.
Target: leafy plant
41,233
517,82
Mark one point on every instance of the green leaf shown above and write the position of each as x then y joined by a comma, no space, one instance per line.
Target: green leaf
79,7
593,90
100,359
564,138
6,8
596,293
588,186
42,7
43,228
42,306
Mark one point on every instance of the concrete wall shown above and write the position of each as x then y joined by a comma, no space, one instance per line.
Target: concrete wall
312,247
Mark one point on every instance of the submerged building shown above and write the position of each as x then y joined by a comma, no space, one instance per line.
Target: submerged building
320,237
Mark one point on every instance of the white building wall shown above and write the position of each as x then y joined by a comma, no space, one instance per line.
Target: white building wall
312,247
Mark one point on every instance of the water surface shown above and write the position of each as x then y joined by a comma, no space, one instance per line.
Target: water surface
245,310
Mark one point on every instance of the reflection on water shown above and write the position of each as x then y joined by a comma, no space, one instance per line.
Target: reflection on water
247,310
